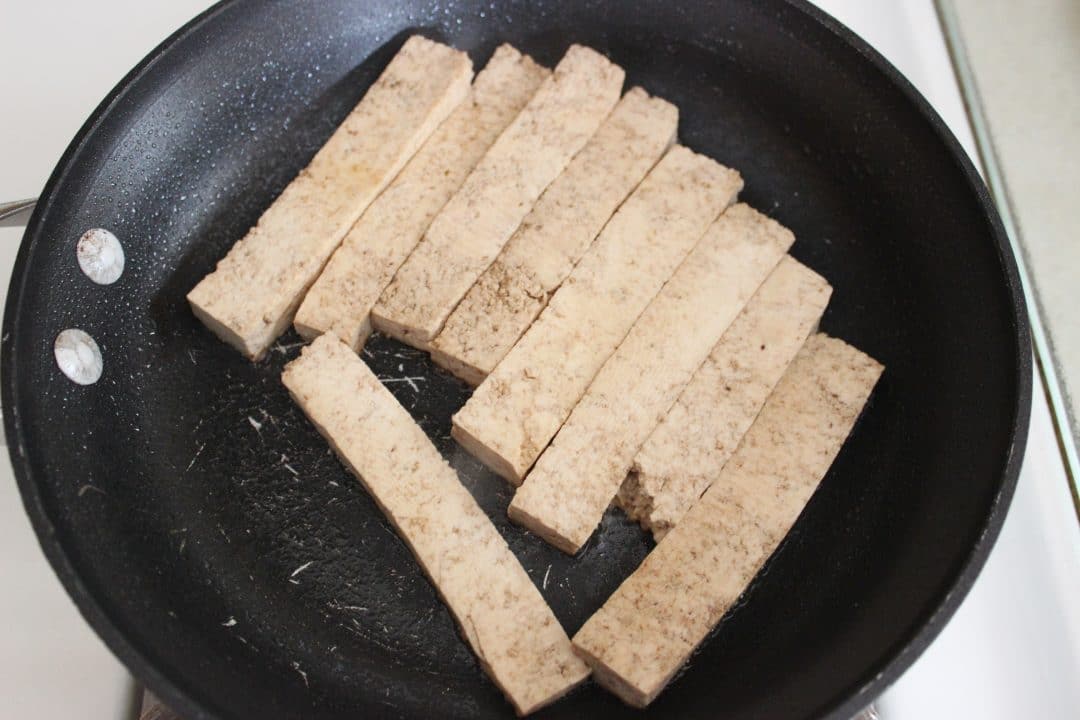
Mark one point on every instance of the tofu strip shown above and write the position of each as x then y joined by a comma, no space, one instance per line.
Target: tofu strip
693,442
518,640
467,235
646,631
341,299
515,412
576,478
569,215
250,299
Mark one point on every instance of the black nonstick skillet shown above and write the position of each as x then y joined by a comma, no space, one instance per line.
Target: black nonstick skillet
204,529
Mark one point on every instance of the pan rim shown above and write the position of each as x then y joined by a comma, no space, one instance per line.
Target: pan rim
893,663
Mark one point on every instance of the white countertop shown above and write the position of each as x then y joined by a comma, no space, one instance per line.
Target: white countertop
1011,651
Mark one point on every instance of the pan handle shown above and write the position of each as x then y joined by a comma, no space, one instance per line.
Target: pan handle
154,709
15,214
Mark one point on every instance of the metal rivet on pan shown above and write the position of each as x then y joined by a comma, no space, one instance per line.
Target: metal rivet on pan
101,256
78,356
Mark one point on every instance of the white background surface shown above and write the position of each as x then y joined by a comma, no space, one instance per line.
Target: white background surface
1010,652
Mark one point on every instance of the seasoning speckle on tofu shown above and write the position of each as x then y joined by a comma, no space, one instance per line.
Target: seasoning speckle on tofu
506,299
467,235
575,479
499,610
341,299
646,631
516,411
250,298
700,432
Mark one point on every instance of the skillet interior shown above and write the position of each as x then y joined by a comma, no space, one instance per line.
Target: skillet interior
183,490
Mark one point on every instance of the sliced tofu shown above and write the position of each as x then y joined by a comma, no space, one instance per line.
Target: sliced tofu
700,432
341,299
501,614
515,412
467,235
576,478
250,299
646,631
506,299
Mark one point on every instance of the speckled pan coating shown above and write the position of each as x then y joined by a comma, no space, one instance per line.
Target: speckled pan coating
576,478
469,232
506,299
513,632
341,299
690,446
645,632
250,298
516,411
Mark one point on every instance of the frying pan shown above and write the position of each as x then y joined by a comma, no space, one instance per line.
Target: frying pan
207,533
